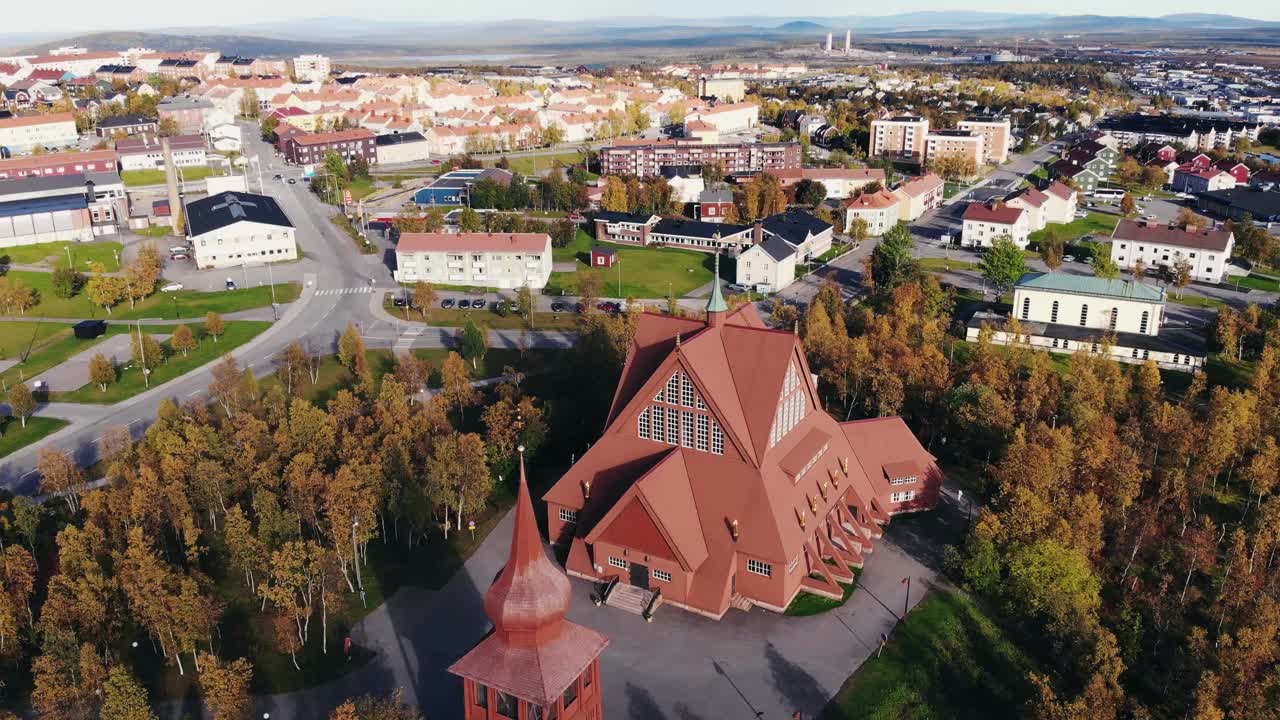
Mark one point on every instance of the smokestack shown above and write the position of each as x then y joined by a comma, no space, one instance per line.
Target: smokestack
828,43
848,42
171,186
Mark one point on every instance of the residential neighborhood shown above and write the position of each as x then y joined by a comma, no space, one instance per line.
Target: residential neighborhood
391,364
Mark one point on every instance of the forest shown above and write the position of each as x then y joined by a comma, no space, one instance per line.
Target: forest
1130,526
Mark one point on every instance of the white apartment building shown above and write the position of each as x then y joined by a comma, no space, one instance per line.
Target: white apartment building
1067,313
728,118
768,266
879,210
146,152
311,68
983,224
1161,246
22,134
902,136
964,143
231,229
1062,203
502,260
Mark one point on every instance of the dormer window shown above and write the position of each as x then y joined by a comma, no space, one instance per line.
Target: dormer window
905,480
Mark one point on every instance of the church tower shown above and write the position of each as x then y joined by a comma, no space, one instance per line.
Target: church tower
535,664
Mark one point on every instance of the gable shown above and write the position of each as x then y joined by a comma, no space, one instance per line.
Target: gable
633,528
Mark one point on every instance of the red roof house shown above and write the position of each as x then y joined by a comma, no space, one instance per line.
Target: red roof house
719,480
535,663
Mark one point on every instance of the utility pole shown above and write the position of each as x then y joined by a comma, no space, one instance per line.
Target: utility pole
906,605
355,557
271,280
142,350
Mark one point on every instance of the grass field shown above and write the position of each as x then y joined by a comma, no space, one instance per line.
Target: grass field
17,338
646,272
130,381
83,255
155,231
57,345
361,188
1092,224
165,306
138,178
532,165
486,318
932,264
1199,301
13,436
950,659
805,604
1254,281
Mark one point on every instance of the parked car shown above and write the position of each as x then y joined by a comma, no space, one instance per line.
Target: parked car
464,304
179,256
446,303
400,302
171,287
293,181
576,217
279,176
477,304
735,287
179,248
1068,258
1081,214
557,307
1149,216
231,284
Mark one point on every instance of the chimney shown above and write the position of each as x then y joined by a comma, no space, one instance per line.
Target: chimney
848,42
757,232
828,43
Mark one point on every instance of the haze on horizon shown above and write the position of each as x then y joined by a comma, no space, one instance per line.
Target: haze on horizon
84,16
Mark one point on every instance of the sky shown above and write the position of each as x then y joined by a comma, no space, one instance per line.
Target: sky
91,15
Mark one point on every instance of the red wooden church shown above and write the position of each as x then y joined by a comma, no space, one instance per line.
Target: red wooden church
535,665
719,480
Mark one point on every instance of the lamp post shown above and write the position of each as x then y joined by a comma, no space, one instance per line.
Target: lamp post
355,558
906,604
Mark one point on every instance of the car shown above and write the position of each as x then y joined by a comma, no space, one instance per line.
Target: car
230,284
477,304
293,181
446,303
464,304
576,217
179,249
1082,214
1068,258
579,308
1149,216
557,307
278,177
171,287
400,302
436,161
735,287
179,256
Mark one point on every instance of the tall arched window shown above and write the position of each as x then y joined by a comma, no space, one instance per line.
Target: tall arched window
1053,313
1142,327
1084,315
1026,308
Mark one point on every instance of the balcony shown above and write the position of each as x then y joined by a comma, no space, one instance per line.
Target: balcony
454,264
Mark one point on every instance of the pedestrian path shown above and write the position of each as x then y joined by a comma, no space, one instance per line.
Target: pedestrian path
362,290
404,343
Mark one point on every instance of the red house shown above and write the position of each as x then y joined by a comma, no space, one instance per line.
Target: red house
602,257
535,665
720,482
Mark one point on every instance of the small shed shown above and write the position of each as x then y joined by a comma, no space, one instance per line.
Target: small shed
602,257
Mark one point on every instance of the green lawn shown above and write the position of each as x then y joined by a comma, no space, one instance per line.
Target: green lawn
130,381
1254,281
646,272
165,306
806,604
1199,301
19,338
951,188
82,255
537,163
836,250
1093,224
361,187
137,178
950,659
155,231
13,436
935,264
485,318
62,345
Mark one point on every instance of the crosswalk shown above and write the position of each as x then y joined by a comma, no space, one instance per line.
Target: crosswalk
405,341
363,290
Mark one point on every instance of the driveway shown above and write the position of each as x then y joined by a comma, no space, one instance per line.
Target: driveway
680,667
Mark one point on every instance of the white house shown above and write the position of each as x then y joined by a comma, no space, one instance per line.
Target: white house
22,134
983,224
767,267
729,118
231,229
1061,204
502,260
1161,246
145,152
1034,203
1069,313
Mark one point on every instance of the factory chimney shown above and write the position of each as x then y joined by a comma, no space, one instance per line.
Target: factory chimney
828,43
848,42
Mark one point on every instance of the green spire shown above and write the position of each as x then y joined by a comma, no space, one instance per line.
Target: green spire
717,303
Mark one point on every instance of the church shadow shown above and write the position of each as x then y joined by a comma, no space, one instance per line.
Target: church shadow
924,536
800,689
641,705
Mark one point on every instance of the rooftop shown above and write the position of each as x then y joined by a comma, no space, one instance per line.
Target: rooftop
1216,240
227,208
1090,285
474,242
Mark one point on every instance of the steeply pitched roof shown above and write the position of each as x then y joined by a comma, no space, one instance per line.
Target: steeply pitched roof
795,226
994,213
228,208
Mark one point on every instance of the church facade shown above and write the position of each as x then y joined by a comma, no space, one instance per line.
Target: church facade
720,482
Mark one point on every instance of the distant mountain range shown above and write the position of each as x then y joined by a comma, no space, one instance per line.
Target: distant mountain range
352,36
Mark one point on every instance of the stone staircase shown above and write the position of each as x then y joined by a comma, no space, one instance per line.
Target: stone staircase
630,598
740,602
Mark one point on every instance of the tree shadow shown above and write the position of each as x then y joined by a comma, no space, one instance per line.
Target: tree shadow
924,536
641,705
800,689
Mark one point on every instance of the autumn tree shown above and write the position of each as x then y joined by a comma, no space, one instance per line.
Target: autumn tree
458,468
214,325
291,367
1181,274
21,402
183,340
227,385
1003,263
351,350
123,697
474,342
225,686
424,297
60,475
106,291
102,371
457,389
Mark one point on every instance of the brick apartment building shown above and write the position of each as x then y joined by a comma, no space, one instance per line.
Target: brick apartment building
965,143
310,148
68,163
996,134
899,137
648,158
